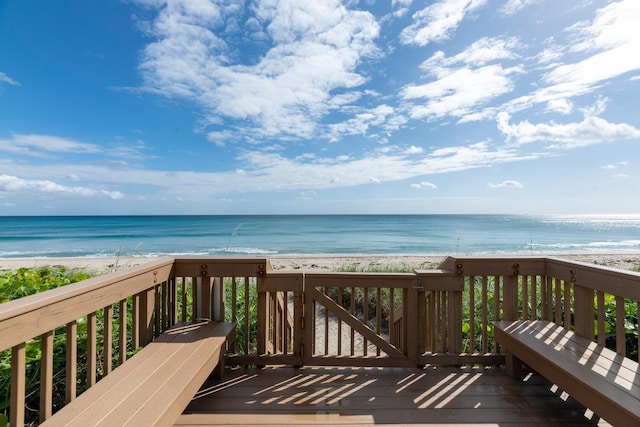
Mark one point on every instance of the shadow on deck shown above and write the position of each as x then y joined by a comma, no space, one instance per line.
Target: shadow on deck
382,396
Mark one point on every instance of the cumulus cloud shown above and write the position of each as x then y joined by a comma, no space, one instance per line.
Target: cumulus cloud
424,184
592,130
284,83
560,105
465,82
414,150
506,184
438,21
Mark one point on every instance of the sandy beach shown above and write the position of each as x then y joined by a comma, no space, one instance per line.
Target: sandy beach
306,263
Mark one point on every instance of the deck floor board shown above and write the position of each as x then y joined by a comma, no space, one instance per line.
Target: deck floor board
381,396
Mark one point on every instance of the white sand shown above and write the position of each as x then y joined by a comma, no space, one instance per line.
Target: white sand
306,263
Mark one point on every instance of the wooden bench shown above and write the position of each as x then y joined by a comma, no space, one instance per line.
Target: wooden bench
156,384
600,379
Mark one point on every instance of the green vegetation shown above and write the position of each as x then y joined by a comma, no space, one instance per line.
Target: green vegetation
27,281
384,268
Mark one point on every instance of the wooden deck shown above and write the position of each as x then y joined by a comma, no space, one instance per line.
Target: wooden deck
382,396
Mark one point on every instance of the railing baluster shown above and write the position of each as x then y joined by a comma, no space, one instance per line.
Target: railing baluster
71,371
353,313
326,325
621,339
46,375
525,297
392,338
566,300
91,349
173,302
485,325
378,315
601,318
157,310
234,308
183,298
107,339
496,306
122,332
135,322
534,297
247,323
18,372
365,318
472,314
339,291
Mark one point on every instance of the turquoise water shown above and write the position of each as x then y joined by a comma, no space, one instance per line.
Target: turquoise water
317,234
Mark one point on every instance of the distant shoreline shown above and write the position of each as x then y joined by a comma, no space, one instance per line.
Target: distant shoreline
319,262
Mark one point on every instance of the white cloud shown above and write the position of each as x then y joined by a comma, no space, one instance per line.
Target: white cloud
480,52
560,105
362,122
506,184
10,183
414,150
424,184
513,6
459,92
615,166
597,51
35,145
437,21
592,130
284,88
6,79
462,84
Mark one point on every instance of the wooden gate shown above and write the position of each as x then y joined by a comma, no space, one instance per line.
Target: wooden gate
360,319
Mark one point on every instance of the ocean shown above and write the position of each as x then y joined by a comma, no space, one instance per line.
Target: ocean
272,235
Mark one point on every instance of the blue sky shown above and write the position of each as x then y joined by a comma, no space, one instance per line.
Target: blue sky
287,106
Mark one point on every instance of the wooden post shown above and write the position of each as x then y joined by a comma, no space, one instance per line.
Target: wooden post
454,321
217,299
584,311
298,323
145,319
510,300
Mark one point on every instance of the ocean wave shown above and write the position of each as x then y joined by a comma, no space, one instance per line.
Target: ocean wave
243,250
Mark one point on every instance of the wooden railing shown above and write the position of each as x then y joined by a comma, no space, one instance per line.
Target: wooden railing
437,317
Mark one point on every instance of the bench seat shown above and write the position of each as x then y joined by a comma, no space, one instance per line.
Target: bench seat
600,379
155,385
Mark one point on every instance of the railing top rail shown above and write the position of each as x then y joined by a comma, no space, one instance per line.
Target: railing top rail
364,280
221,266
